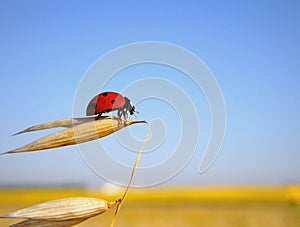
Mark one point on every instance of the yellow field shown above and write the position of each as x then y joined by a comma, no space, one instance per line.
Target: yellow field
242,207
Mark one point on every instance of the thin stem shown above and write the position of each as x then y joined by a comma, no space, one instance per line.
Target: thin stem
131,178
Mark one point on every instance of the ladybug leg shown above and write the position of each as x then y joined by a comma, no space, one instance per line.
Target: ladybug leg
122,112
97,117
119,113
125,114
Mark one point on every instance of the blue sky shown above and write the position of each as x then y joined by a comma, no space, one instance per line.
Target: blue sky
252,48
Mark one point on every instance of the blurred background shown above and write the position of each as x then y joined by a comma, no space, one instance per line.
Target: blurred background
252,48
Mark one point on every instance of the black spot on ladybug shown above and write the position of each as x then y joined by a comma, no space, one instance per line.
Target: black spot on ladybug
104,94
113,101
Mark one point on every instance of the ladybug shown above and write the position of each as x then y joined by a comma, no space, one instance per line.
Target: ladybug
109,101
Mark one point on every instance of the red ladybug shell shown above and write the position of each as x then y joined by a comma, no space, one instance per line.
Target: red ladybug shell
105,102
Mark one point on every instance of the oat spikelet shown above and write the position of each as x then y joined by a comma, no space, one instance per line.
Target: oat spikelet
64,209
44,223
66,123
79,133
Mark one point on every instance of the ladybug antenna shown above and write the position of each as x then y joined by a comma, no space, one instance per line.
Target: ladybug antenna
133,111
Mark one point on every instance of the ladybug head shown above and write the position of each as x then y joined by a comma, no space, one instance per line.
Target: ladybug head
129,106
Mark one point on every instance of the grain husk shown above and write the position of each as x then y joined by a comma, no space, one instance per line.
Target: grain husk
79,133
63,209
66,123
44,223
